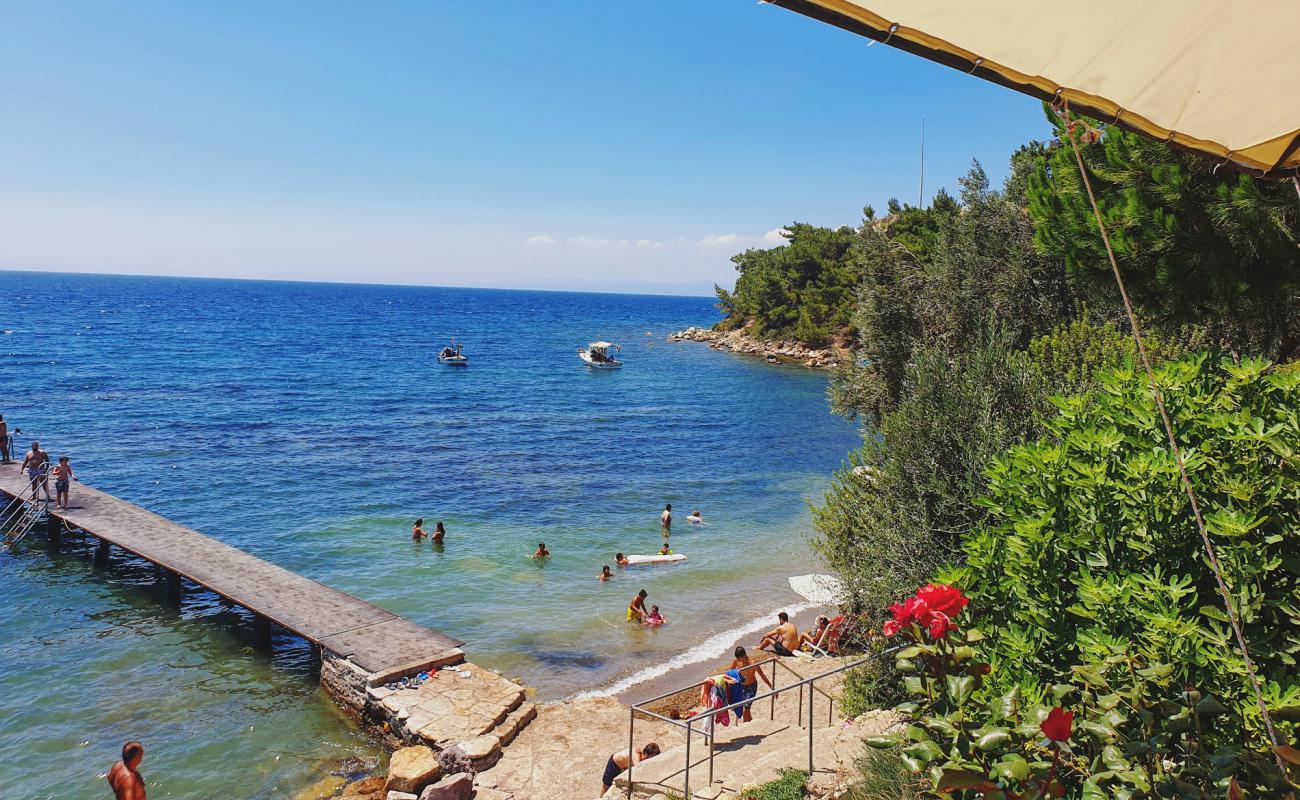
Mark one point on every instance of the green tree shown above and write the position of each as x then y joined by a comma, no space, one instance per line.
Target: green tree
1211,248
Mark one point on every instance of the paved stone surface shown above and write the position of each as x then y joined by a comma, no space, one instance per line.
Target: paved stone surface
410,769
455,704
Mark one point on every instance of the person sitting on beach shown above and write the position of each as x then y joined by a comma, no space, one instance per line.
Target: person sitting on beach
542,552
783,639
124,777
620,559
438,532
621,761
749,675
62,474
636,608
813,637
664,551
654,618
417,530
605,574
695,518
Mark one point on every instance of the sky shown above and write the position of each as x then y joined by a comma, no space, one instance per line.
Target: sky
572,144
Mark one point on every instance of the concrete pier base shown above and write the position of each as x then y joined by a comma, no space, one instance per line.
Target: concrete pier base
263,633
101,553
173,590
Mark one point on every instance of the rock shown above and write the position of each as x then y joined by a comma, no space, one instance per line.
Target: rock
411,769
325,787
371,788
481,748
452,787
484,793
453,761
401,796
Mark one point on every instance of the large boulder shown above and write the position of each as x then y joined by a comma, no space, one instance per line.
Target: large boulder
452,787
411,769
371,788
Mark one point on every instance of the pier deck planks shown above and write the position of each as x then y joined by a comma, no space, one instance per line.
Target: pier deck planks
375,639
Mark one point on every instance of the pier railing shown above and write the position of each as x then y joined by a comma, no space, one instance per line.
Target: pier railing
690,724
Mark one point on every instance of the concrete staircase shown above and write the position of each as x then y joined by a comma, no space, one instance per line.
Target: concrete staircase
752,753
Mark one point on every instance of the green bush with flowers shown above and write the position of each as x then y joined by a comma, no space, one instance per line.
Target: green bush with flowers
1106,666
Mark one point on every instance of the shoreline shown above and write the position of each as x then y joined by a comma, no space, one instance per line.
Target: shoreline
776,351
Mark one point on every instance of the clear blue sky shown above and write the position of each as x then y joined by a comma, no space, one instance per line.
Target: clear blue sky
562,144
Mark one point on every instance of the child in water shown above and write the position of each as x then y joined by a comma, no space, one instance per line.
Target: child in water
654,619
542,552
664,551
695,518
620,559
605,574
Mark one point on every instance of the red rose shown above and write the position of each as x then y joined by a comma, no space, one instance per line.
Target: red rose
938,624
947,600
891,627
1058,725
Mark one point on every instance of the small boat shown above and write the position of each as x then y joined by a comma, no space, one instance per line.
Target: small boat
646,561
597,355
452,356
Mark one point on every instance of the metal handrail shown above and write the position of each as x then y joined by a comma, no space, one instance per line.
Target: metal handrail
19,503
772,693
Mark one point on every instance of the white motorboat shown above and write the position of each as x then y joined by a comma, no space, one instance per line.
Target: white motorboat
452,356
598,355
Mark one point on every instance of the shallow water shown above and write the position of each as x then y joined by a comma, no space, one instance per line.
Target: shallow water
309,424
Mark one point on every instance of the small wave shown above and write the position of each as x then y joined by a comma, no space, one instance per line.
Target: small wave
712,647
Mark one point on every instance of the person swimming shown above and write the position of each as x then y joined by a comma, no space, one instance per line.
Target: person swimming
695,518
417,530
620,559
542,552
664,551
654,619
605,574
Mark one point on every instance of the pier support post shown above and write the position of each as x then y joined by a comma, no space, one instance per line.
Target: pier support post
101,554
54,534
172,589
263,633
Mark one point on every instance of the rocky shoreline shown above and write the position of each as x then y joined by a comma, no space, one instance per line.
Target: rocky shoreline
774,351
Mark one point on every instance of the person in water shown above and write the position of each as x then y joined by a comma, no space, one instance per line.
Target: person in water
664,551
695,518
749,675
783,639
124,777
620,559
417,530
636,609
438,532
605,574
622,760
62,473
654,618
542,552
666,518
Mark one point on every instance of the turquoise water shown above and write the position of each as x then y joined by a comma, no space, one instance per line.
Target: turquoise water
310,424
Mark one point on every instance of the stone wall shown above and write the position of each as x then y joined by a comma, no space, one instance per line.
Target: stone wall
345,683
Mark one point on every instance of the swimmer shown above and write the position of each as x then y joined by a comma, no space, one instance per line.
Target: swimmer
417,531
438,532
654,619
542,552
664,551
695,518
605,574
636,608
620,559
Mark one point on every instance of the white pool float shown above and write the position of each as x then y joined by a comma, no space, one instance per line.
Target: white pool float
636,561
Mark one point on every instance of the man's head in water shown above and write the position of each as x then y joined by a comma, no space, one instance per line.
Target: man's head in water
132,754
668,506
419,523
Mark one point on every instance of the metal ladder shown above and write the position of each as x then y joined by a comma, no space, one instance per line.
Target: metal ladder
21,515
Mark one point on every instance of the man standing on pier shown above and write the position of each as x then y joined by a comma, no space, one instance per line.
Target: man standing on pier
4,440
126,781
36,463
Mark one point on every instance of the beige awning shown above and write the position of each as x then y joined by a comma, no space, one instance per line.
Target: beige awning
1215,76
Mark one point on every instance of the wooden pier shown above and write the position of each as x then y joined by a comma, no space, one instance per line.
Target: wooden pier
379,642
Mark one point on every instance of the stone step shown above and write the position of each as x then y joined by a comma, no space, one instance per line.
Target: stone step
515,722
748,754
455,704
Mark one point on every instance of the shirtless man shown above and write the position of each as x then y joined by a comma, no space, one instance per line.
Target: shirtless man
749,675
620,559
34,464
4,440
666,518
783,639
636,609
620,761
127,783
605,574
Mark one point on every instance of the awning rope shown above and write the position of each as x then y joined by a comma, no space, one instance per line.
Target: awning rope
1231,608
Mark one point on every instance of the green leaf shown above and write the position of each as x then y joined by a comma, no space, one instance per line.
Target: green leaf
960,688
1009,704
1091,791
1210,707
1157,671
998,737
924,752
939,725
1061,690
914,684
882,742
1011,767
960,778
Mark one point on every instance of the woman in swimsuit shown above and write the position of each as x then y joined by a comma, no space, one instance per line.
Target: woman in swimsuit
438,532
417,532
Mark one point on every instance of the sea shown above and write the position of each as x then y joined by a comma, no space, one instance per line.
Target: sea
311,424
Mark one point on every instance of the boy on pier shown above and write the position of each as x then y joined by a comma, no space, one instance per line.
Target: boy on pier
62,474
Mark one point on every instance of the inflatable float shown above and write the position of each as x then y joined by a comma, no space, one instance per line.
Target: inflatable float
640,561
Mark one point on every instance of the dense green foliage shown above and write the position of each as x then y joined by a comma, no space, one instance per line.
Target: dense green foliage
791,785
802,290
1214,249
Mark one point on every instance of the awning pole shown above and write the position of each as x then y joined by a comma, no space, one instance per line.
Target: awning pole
1233,619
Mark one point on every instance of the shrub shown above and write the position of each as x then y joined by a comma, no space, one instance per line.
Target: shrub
792,785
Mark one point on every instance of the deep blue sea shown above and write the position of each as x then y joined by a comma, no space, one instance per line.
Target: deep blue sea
310,424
